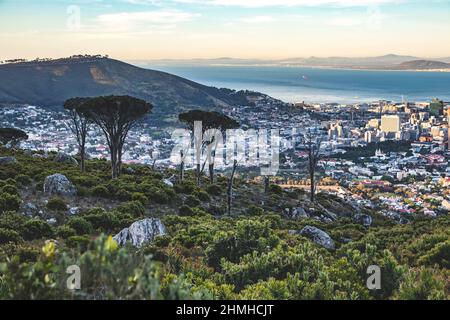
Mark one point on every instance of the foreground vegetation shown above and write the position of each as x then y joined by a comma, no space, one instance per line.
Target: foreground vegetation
206,254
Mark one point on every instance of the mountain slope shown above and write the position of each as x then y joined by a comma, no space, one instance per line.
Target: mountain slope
423,65
50,83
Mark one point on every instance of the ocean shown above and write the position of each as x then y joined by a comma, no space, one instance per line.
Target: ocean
314,85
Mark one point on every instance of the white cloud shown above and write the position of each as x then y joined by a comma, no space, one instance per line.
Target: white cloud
344,22
136,19
288,3
257,19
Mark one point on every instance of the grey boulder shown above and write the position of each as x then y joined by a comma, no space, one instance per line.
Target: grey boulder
30,209
65,158
141,232
320,237
60,185
363,219
7,160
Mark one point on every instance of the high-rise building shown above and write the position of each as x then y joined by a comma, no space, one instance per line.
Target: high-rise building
390,123
436,108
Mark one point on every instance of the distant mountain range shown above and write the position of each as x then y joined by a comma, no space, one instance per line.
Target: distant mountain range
386,62
51,82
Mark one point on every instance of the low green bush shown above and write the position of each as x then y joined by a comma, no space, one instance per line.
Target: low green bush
37,229
78,242
65,232
192,201
101,192
9,236
140,197
80,225
133,208
214,190
56,204
9,202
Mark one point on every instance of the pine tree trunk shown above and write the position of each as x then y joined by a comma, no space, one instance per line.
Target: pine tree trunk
211,173
266,184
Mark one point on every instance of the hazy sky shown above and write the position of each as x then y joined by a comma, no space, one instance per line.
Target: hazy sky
149,29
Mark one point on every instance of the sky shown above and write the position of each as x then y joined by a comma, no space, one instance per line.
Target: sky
257,29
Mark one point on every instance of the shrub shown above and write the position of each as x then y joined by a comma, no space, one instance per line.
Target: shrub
140,197
439,255
65,232
37,229
214,190
11,189
13,220
249,236
275,189
9,202
133,208
185,187
78,242
57,204
203,196
192,201
186,211
8,236
102,220
123,195
80,225
255,211
23,180
100,191
158,195
422,284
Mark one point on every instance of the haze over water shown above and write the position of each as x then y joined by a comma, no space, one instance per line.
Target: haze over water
295,84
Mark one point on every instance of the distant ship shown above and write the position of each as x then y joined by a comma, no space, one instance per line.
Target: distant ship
305,78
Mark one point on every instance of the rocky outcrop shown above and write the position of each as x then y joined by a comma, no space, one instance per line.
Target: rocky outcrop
30,209
363,219
320,237
296,213
60,185
65,158
7,160
141,232
74,211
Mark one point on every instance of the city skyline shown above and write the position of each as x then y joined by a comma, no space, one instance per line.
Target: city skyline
187,29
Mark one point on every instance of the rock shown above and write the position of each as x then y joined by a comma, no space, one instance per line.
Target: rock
65,158
74,211
59,184
141,232
318,236
363,219
7,160
168,183
129,170
39,156
299,213
403,221
30,209
325,219
51,221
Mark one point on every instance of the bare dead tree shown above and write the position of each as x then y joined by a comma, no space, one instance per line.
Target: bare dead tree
79,125
182,165
266,184
212,123
313,143
230,188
